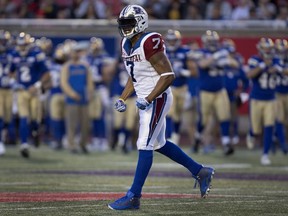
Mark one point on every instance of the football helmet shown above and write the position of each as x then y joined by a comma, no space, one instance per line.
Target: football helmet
281,48
96,45
23,43
265,47
133,19
229,45
61,54
173,40
211,40
5,37
45,44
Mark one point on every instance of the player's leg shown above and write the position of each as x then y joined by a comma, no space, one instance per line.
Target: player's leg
234,122
71,122
36,116
2,109
269,113
280,118
222,109
7,99
151,123
170,126
179,99
84,127
118,119
129,123
23,101
57,119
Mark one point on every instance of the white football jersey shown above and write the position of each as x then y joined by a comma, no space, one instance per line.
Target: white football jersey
136,58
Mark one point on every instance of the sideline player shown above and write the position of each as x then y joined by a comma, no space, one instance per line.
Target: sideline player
151,75
31,73
213,97
262,72
5,86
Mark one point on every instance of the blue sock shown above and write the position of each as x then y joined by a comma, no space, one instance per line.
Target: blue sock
127,135
145,160
99,128
177,127
267,139
235,128
169,127
176,154
24,130
225,128
1,128
281,135
58,129
34,125
12,131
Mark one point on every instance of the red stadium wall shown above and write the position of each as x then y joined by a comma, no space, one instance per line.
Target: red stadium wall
245,45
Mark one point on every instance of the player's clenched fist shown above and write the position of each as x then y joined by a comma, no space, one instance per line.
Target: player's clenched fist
142,103
120,105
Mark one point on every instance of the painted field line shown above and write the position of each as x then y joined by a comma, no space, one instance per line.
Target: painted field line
145,204
93,196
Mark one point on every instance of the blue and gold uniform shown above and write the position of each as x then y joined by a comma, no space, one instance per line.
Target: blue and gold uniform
213,97
178,56
30,71
263,69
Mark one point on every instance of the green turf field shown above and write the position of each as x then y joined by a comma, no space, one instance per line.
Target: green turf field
58,183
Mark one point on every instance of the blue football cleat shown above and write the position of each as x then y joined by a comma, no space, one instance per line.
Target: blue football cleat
129,201
204,179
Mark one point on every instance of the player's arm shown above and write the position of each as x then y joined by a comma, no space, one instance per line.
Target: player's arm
163,67
128,90
90,83
192,67
255,68
67,89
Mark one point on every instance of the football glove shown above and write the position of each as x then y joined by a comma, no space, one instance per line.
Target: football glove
120,105
142,103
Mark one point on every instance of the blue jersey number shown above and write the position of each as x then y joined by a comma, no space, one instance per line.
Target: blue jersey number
131,64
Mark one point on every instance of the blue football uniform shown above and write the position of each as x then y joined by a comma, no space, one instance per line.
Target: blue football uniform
30,68
55,70
282,80
210,79
232,78
5,64
178,59
264,84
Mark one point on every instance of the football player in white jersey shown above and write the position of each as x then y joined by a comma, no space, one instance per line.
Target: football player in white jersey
151,75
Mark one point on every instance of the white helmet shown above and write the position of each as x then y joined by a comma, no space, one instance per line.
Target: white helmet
133,19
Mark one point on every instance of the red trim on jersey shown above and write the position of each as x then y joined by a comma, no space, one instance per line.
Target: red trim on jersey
152,45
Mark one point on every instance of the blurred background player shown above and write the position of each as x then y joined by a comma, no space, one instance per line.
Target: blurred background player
77,85
56,96
281,51
5,85
46,46
213,97
31,74
103,69
177,55
263,69
123,122
235,82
